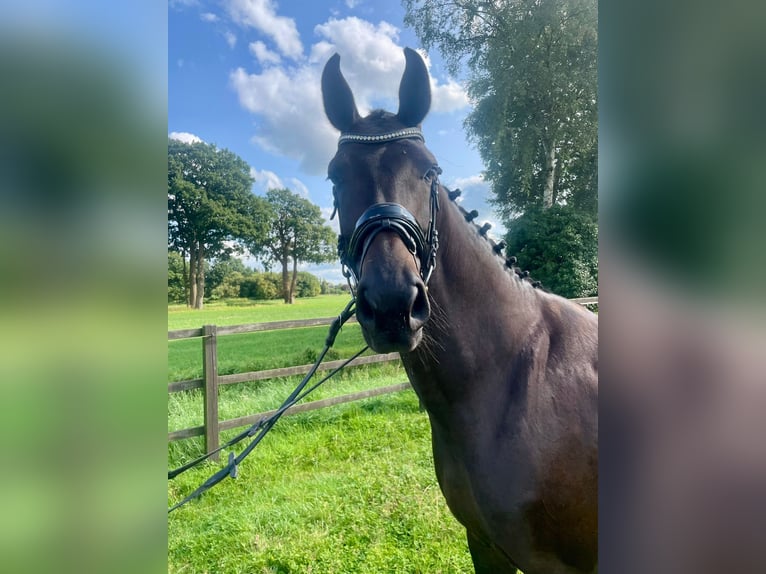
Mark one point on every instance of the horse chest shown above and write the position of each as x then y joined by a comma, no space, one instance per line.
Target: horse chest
481,479
513,496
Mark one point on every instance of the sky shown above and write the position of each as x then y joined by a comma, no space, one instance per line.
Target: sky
245,75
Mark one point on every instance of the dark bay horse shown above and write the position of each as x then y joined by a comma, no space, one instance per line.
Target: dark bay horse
506,372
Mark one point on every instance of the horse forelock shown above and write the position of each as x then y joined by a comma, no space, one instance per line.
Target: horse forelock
379,113
377,122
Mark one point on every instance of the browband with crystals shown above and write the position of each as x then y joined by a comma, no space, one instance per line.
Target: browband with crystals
397,135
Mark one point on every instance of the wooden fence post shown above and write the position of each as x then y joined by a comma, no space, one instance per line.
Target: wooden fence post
210,393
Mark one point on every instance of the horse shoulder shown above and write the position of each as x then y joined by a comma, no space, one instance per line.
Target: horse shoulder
572,343
562,429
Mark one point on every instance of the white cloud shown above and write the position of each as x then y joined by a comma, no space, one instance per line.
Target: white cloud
297,186
290,104
261,15
471,182
181,4
448,97
208,17
263,54
288,99
265,179
334,223
185,137
475,191
371,60
231,39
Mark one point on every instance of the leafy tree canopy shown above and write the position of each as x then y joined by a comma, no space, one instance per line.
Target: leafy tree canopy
211,210
176,279
298,234
222,268
210,199
559,248
533,84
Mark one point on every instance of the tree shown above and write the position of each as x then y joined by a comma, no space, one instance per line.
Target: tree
307,285
298,234
559,248
230,287
327,288
211,210
176,278
220,271
533,83
262,286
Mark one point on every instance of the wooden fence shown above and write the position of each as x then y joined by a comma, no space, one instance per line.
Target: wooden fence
211,380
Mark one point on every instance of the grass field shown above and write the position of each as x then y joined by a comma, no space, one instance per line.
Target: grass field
345,489
266,350
240,311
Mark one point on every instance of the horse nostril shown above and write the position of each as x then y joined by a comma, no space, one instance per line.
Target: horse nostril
421,308
388,310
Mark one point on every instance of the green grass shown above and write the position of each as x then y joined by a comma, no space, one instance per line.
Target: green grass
261,350
185,408
344,489
240,311
267,350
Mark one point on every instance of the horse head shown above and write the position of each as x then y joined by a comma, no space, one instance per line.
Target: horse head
385,189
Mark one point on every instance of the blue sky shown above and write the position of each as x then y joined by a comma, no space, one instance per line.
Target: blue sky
244,75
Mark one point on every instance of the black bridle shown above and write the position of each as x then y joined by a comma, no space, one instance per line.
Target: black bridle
394,217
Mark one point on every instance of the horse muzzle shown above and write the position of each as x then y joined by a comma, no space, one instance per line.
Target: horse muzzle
388,261
392,300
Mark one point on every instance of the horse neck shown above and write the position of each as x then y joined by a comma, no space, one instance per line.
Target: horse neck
480,310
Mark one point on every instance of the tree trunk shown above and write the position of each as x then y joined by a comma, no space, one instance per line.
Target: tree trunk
286,293
185,276
200,277
192,275
294,280
550,168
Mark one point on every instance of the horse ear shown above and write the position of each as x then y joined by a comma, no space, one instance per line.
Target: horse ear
338,100
414,91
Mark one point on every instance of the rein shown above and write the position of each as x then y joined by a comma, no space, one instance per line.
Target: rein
391,217
263,426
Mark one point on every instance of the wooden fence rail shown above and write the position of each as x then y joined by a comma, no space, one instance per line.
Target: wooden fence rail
211,380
